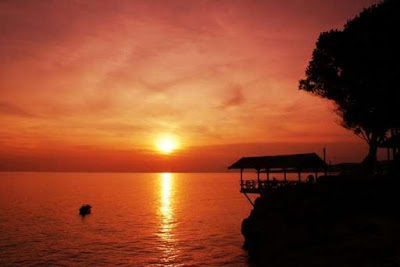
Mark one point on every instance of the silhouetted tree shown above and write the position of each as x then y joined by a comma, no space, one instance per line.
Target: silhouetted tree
358,68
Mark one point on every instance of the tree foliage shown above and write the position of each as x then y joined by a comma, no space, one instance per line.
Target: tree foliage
359,69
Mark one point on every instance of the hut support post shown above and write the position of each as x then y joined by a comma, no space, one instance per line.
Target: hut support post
267,174
251,202
258,178
316,174
241,177
299,175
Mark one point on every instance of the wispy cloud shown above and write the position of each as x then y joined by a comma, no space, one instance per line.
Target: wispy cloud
13,110
234,97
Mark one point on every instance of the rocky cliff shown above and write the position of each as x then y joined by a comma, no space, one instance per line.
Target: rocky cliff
338,221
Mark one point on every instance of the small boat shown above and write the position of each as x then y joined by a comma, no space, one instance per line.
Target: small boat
85,209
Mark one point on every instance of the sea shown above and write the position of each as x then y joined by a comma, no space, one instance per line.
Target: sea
137,219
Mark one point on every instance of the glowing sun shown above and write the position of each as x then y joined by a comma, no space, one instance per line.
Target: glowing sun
166,145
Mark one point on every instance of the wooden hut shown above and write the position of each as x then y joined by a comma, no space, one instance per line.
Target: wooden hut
296,163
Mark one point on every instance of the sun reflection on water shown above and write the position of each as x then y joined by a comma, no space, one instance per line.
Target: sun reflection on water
167,220
165,208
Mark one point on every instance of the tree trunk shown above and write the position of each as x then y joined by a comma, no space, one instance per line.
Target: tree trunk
370,160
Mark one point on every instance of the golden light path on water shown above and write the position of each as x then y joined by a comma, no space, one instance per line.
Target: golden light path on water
167,220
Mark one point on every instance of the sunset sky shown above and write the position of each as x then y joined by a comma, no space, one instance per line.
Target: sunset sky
94,85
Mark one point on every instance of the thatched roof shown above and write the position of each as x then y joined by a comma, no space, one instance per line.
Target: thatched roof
392,142
298,161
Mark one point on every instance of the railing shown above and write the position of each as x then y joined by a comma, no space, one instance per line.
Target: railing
255,186
248,184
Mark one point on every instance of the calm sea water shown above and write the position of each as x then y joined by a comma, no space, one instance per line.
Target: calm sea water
149,219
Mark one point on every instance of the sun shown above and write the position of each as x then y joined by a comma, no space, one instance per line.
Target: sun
166,144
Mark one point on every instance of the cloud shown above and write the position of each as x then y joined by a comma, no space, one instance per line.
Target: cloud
234,97
13,110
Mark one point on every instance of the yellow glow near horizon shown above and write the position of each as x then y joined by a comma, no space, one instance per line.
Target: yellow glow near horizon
166,144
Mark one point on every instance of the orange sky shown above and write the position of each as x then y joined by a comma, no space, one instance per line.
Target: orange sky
90,85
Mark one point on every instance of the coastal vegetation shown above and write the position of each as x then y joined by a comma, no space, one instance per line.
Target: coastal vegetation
357,68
